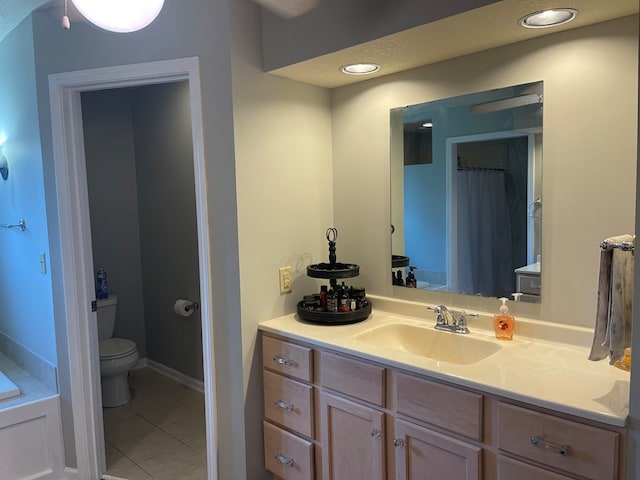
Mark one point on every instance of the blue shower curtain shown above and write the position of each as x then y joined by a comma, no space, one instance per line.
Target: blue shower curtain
485,265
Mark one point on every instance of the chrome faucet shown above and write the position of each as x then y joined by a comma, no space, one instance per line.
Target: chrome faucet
446,319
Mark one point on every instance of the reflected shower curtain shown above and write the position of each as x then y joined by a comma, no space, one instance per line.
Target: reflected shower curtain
484,234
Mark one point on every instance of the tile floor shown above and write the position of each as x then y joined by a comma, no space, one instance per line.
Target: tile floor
159,434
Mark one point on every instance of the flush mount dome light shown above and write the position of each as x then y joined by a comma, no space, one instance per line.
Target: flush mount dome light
548,18
360,68
120,16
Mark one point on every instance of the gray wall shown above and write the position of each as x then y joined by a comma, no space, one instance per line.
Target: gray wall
139,155
168,230
201,30
113,203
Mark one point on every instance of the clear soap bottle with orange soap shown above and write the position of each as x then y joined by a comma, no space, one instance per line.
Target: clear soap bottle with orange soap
504,324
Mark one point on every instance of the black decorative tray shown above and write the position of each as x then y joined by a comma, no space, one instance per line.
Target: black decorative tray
334,318
398,261
333,270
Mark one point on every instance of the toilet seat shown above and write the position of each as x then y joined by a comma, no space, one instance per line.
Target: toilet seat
114,348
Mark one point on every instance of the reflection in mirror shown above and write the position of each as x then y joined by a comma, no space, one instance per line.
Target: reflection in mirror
466,193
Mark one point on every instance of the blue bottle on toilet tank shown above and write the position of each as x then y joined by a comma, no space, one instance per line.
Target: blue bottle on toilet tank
102,288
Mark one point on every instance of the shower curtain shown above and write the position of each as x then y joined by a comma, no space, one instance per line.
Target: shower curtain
484,250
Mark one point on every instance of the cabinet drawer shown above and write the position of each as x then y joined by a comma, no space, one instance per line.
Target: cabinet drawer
510,469
456,410
289,403
288,358
288,456
358,379
592,452
528,284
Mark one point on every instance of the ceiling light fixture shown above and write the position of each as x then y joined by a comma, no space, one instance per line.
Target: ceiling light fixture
548,18
360,68
121,16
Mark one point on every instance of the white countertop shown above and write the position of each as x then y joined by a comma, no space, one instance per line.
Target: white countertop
552,375
531,268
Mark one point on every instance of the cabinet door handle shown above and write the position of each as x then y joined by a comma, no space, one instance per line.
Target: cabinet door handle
563,449
376,433
283,361
289,407
284,460
398,442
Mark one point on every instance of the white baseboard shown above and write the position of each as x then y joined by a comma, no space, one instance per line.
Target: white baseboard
169,372
70,474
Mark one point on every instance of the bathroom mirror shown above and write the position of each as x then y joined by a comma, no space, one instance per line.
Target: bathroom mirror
466,206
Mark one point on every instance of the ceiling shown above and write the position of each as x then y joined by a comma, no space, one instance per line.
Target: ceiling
480,29
12,12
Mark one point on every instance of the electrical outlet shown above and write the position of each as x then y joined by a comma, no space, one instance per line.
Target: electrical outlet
286,278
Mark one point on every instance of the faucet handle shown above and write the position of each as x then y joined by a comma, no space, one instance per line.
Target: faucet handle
441,312
462,321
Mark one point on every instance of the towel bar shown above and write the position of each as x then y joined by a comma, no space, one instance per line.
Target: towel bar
22,225
607,245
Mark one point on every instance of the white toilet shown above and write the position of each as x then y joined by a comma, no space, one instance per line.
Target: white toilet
117,356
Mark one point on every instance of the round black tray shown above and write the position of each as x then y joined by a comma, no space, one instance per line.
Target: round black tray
334,318
398,261
333,270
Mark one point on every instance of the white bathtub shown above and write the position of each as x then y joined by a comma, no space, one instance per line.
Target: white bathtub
31,441
30,427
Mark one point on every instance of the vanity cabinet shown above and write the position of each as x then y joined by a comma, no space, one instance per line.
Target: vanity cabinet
289,409
419,450
582,450
529,284
331,416
352,439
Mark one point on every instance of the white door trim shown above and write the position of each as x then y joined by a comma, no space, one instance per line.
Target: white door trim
75,240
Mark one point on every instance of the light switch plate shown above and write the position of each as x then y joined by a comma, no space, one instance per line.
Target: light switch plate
286,278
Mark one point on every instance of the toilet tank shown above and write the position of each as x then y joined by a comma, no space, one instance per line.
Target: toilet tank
106,316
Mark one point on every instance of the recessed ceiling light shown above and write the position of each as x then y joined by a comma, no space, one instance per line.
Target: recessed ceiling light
427,125
548,18
360,68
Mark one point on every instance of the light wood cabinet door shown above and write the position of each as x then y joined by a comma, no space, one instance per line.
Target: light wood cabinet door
422,454
352,440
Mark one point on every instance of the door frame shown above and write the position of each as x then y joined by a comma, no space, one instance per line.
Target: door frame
451,150
76,254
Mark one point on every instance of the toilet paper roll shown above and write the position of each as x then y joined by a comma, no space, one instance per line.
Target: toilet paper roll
183,308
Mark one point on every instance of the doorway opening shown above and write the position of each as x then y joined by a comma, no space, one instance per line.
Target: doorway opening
77,257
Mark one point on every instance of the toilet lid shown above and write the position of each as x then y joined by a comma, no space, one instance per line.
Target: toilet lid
115,347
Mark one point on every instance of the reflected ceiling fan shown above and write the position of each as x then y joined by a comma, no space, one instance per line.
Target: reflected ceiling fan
289,8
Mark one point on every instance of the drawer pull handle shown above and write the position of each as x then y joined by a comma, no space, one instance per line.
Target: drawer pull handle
563,449
398,442
283,361
376,433
284,405
535,285
284,460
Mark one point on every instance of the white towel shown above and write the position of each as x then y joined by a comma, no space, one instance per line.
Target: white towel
612,332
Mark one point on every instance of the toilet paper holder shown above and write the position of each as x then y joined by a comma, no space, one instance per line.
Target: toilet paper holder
192,306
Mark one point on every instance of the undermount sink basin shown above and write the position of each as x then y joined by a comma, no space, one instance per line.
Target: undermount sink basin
430,343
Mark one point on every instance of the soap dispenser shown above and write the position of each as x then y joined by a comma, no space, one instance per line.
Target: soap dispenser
411,281
504,324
